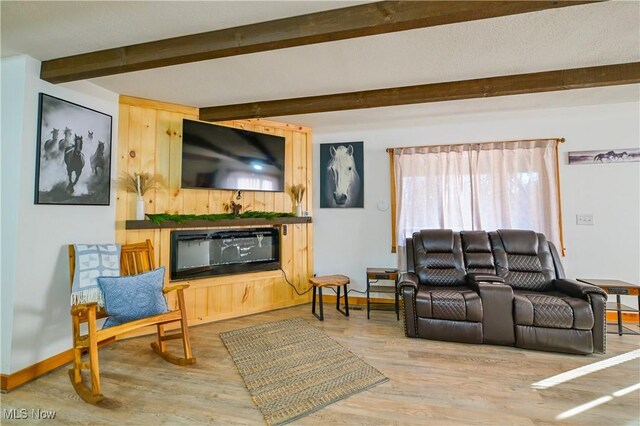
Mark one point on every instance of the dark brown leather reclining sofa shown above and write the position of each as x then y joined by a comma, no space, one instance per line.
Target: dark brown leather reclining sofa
506,287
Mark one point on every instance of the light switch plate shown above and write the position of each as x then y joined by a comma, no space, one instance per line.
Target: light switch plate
585,219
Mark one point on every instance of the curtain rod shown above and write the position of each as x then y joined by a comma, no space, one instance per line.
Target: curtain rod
559,140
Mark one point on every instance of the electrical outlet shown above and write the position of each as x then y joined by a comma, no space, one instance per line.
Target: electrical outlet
585,219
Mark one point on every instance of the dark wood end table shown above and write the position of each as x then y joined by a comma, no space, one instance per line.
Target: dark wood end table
376,274
618,288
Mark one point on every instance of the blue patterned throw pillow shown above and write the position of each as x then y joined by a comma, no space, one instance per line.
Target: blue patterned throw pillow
133,297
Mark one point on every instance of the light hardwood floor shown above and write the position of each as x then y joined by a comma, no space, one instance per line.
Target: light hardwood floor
430,382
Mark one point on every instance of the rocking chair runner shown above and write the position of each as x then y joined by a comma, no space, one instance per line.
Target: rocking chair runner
135,259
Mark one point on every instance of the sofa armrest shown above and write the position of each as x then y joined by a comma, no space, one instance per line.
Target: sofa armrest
497,308
599,306
408,280
487,278
577,289
597,297
407,289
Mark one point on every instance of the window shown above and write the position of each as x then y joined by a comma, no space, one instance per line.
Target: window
484,186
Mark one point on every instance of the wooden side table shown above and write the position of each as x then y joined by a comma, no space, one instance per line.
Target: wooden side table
330,281
618,288
376,274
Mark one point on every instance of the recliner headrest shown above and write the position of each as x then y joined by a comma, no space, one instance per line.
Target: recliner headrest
475,242
518,241
437,240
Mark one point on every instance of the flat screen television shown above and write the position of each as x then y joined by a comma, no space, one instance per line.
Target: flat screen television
218,157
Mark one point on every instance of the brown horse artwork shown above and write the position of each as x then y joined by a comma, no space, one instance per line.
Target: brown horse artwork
65,142
610,156
74,159
97,159
50,150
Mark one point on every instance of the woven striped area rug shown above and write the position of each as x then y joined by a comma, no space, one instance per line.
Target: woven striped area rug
293,369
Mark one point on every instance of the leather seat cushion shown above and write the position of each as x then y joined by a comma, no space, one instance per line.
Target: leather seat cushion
448,303
552,310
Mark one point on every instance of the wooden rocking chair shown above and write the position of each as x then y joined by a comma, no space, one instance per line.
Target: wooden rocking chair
135,259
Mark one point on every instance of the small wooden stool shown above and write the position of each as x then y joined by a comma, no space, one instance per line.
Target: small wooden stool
330,281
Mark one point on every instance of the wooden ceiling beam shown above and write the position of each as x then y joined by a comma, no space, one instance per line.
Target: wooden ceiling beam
337,24
547,81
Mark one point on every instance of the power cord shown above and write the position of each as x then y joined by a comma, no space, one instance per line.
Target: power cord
350,290
294,287
311,288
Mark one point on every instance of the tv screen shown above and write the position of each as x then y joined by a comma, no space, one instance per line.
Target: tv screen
218,157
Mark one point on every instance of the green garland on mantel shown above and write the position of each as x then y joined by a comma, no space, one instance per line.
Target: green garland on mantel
160,218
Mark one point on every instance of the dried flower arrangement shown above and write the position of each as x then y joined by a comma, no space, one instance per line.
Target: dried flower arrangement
297,192
140,183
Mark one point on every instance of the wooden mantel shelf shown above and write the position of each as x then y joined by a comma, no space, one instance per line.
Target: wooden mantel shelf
148,224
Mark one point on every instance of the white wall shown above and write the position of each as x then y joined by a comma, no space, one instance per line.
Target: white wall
347,241
13,84
41,325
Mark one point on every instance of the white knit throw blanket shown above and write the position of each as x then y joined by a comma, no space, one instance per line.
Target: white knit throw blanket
93,261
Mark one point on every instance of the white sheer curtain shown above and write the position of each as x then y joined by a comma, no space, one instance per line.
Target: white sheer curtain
484,186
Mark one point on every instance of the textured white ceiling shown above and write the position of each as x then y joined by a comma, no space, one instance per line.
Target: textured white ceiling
53,29
579,36
564,38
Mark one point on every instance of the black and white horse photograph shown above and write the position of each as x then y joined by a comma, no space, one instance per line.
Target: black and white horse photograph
73,160
342,175
603,156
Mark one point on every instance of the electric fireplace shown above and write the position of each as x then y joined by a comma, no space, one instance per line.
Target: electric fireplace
203,253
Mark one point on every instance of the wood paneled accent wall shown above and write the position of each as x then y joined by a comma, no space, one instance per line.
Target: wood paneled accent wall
150,140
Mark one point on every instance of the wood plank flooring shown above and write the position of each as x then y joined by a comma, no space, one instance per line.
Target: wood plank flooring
430,382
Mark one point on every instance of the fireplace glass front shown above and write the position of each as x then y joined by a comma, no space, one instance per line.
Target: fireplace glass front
198,254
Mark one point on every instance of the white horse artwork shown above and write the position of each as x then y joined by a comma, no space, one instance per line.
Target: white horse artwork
342,185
